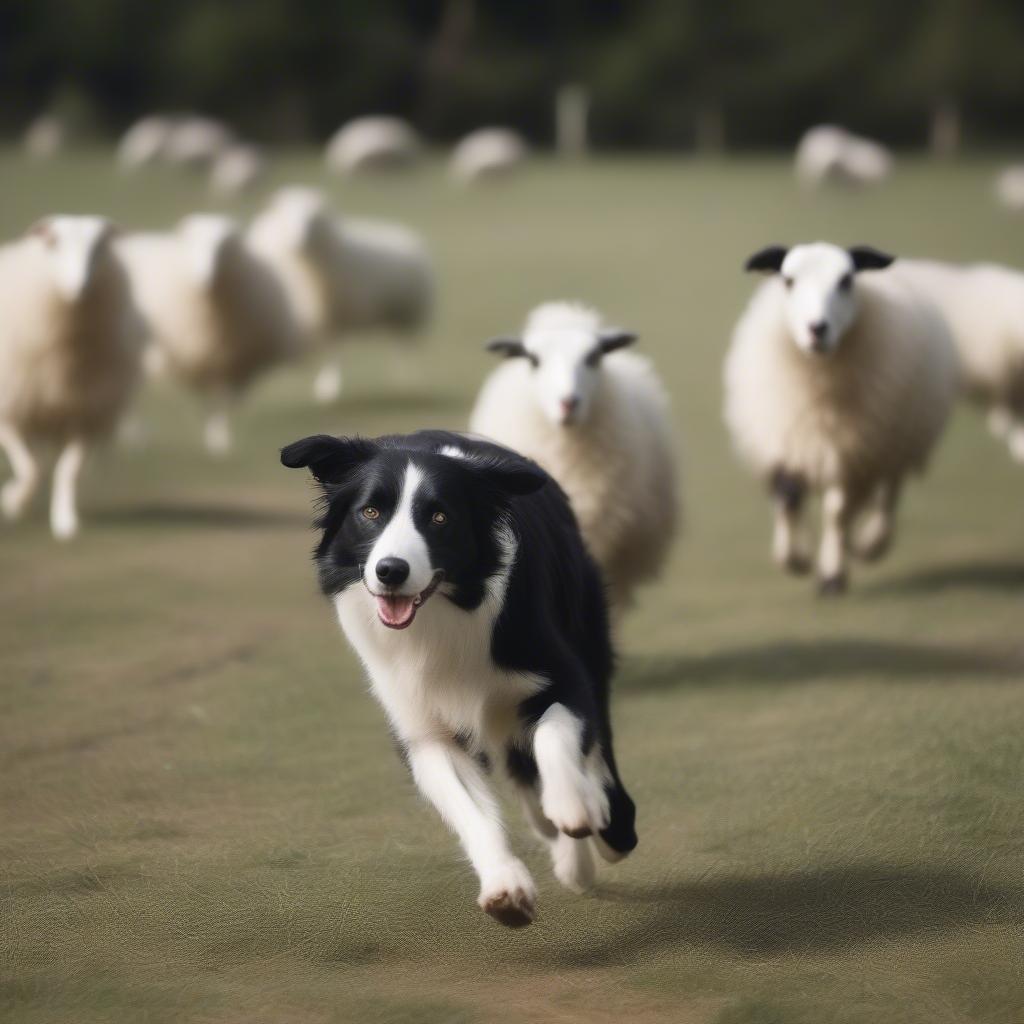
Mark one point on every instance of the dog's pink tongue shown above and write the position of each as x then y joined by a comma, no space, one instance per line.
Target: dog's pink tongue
396,612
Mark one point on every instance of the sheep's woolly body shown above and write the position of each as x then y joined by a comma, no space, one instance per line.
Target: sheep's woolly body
216,338
617,467
984,307
67,369
867,414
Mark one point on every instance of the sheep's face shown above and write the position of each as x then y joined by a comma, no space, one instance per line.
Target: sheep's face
565,365
206,237
820,301
74,247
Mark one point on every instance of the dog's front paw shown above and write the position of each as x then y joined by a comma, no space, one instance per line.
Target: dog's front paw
509,895
579,809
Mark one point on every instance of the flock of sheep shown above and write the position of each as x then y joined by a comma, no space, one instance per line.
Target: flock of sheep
840,378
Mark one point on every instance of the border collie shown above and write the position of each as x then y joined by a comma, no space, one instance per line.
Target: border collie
460,578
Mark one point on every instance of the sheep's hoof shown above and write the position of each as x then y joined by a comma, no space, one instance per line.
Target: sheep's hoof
873,550
832,586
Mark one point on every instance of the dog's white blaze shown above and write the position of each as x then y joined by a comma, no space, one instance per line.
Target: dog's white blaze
401,539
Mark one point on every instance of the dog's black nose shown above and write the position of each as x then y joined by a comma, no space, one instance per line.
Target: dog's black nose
392,571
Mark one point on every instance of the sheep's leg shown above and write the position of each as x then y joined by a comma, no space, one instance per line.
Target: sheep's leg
571,859
835,511
455,784
876,531
217,431
329,380
789,491
1015,440
64,496
17,492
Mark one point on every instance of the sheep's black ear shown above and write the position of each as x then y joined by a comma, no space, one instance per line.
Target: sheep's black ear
510,348
330,459
611,338
865,257
767,260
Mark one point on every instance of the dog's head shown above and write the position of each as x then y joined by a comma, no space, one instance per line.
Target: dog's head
404,518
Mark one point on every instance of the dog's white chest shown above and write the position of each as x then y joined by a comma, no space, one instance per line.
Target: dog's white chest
436,678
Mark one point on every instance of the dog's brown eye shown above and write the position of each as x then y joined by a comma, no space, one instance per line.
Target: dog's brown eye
439,519
371,513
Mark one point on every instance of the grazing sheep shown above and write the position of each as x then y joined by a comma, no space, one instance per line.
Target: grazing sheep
342,274
839,380
215,312
45,137
70,342
486,154
144,142
1009,188
372,144
831,154
597,420
984,307
237,170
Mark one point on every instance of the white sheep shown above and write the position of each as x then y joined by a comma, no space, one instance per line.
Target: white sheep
343,274
597,419
216,314
70,343
144,142
839,381
984,307
45,137
1009,188
487,153
371,144
237,169
828,153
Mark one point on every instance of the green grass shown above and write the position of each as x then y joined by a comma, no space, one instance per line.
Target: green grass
201,815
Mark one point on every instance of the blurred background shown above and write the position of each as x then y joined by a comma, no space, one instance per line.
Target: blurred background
661,74
201,814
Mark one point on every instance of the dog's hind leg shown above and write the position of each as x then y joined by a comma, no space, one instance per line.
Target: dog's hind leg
571,859
456,785
619,838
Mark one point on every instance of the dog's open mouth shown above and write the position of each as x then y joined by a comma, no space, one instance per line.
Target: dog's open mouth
397,611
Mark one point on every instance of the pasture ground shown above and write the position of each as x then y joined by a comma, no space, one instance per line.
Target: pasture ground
201,815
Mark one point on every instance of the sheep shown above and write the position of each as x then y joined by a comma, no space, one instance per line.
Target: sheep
143,143
829,153
45,137
487,153
237,169
1009,188
178,139
984,308
343,274
371,144
70,343
839,380
217,317
597,419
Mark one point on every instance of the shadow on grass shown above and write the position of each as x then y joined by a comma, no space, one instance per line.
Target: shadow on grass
796,912
994,574
790,661
198,515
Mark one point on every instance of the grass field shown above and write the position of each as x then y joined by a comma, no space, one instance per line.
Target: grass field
201,815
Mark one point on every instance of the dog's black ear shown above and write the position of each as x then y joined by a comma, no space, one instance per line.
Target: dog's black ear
512,475
767,260
865,257
611,338
510,348
330,459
